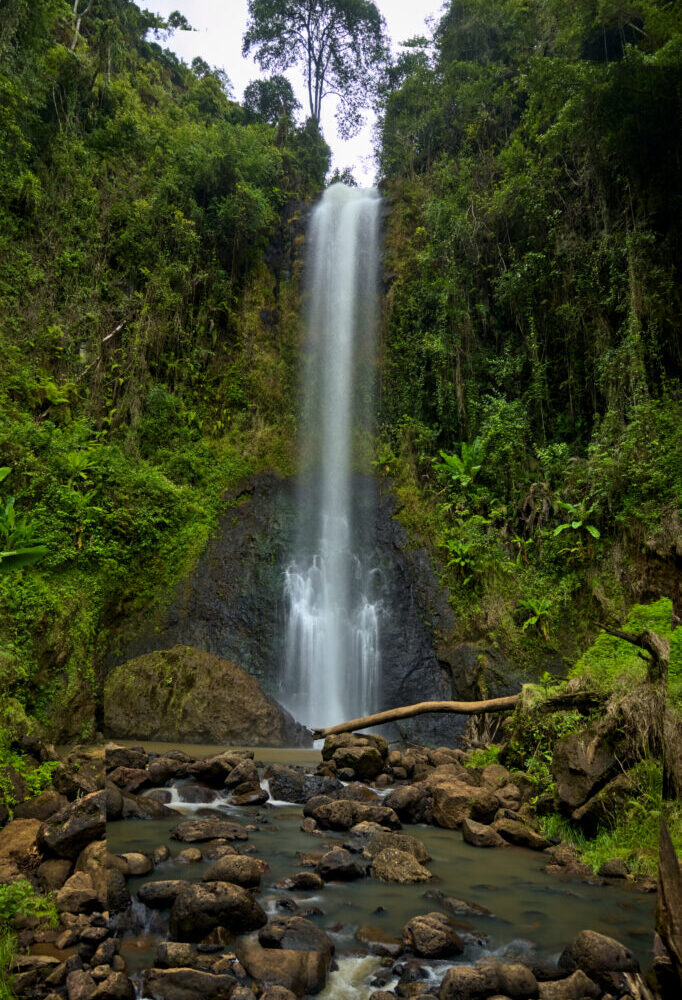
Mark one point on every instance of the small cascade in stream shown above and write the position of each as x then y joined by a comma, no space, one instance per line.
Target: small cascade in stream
331,593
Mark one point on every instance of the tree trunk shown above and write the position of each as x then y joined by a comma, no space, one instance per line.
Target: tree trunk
657,648
422,708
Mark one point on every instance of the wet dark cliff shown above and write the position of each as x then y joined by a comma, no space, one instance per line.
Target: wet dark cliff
232,605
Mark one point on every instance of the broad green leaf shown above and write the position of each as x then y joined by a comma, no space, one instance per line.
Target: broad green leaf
20,558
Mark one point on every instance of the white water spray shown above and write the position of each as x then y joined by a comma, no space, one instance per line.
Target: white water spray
332,643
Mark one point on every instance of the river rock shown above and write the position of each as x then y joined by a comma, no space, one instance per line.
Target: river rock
42,806
78,894
302,972
186,984
118,894
80,985
364,762
68,831
338,865
598,956
378,842
118,756
575,987
564,861
479,835
144,807
234,868
432,936
115,986
394,865
516,832
296,934
191,831
197,909
458,907
193,696
614,868
53,873
271,993
129,779
411,803
80,773
378,941
303,881
487,978
188,856
160,895
139,864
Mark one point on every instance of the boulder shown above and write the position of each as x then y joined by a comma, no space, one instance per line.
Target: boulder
487,978
286,784
601,807
451,803
393,865
118,895
113,801
303,881
186,984
516,832
271,993
80,985
19,841
564,861
197,909
411,803
189,695
614,868
53,873
582,763
118,756
296,934
365,762
78,895
480,835
191,831
235,868
129,779
598,956
116,986
160,895
68,831
302,972
188,856
139,864
378,842
578,986
93,860
341,741
432,936
143,807
338,865
80,773
42,806
378,941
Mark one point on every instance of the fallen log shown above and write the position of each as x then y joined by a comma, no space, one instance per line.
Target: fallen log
422,708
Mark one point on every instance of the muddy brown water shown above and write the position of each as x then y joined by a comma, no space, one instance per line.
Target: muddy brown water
532,913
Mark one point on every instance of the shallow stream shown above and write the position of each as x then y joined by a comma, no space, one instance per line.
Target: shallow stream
531,913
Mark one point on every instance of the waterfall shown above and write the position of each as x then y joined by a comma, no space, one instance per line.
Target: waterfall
331,672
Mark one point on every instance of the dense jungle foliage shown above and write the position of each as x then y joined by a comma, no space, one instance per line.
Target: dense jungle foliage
531,403
148,304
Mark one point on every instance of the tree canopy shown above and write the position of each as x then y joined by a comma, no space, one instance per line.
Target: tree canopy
340,45
270,100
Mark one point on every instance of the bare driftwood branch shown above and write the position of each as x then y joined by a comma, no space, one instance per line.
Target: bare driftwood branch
422,708
652,643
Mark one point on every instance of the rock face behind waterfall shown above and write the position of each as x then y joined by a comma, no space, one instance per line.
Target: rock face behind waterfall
232,605
189,695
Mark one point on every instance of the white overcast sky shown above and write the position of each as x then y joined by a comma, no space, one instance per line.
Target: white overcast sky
219,26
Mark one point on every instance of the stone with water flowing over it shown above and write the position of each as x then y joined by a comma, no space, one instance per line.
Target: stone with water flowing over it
295,933
432,936
302,972
197,909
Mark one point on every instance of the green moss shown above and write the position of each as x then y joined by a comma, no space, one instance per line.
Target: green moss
609,658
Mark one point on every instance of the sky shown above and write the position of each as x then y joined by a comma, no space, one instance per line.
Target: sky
219,26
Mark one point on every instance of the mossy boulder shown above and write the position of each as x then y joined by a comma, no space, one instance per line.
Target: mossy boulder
187,695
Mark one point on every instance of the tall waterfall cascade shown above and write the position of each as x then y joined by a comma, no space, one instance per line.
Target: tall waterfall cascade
331,589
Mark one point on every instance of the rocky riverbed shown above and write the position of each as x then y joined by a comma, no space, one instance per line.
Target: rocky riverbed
376,874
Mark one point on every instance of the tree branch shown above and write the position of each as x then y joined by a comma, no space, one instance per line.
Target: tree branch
422,708
652,643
